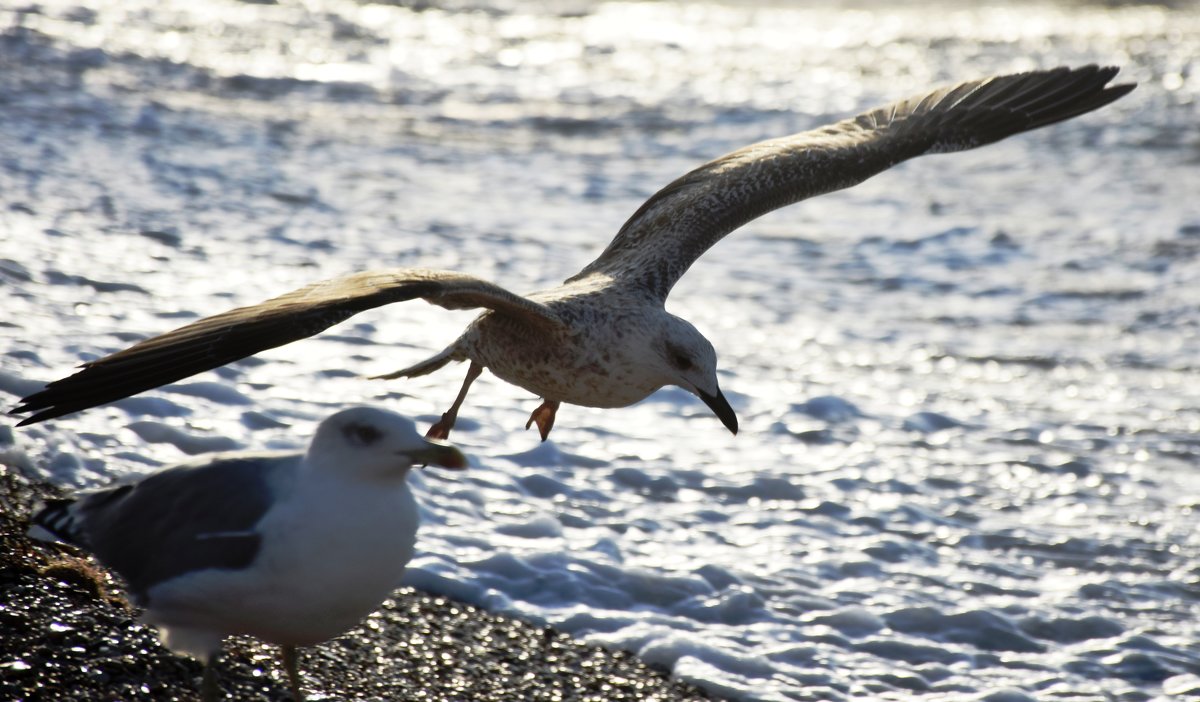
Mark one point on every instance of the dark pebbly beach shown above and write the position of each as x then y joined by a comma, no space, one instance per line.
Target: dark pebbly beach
67,633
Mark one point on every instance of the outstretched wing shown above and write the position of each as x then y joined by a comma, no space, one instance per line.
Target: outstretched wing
680,222
227,337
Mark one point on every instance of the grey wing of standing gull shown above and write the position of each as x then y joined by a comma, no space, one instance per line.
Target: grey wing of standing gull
180,520
672,229
214,341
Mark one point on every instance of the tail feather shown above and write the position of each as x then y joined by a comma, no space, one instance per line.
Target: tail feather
55,521
429,365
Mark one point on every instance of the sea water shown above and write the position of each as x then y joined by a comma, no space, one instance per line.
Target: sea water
969,457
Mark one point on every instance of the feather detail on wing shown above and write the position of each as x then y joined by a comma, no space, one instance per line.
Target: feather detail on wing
658,244
214,341
174,522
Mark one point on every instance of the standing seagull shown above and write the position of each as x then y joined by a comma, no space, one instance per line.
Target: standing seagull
291,548
604,337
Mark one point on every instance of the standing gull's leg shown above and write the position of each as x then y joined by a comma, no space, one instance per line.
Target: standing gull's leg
441,430
544,416
209,690
291,665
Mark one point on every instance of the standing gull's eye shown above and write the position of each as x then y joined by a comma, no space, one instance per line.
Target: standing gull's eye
678,358
362,434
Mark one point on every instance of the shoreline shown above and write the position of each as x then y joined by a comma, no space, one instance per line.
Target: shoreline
68,634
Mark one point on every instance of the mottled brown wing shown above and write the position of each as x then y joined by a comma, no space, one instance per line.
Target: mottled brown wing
683,220
214,341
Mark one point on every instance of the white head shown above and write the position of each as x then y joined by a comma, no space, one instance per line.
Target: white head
376,442
690,361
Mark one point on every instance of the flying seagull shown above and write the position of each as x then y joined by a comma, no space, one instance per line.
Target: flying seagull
291,548
604,338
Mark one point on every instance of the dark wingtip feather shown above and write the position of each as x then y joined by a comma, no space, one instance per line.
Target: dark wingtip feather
26,404
52,413
50,402
1002,106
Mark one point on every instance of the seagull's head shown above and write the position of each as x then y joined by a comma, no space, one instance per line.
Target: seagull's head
376,442
691,363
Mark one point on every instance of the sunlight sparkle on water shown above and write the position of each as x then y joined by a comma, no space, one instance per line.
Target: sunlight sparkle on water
966,386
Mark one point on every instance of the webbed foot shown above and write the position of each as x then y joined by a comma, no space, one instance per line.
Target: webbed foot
543,416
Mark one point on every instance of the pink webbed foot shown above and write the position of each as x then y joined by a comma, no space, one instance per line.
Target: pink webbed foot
441,430
543,416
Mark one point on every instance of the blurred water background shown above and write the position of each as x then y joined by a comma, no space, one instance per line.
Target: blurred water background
969,464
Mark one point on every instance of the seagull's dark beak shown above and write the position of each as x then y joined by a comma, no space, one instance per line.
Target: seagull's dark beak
720,407
437,453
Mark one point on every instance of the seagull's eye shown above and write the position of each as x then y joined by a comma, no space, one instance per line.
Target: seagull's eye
679,359
362,434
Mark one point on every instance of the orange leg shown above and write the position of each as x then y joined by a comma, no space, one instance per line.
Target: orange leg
544,416
441,430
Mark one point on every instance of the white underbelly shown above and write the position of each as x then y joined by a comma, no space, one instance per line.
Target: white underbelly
337,564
